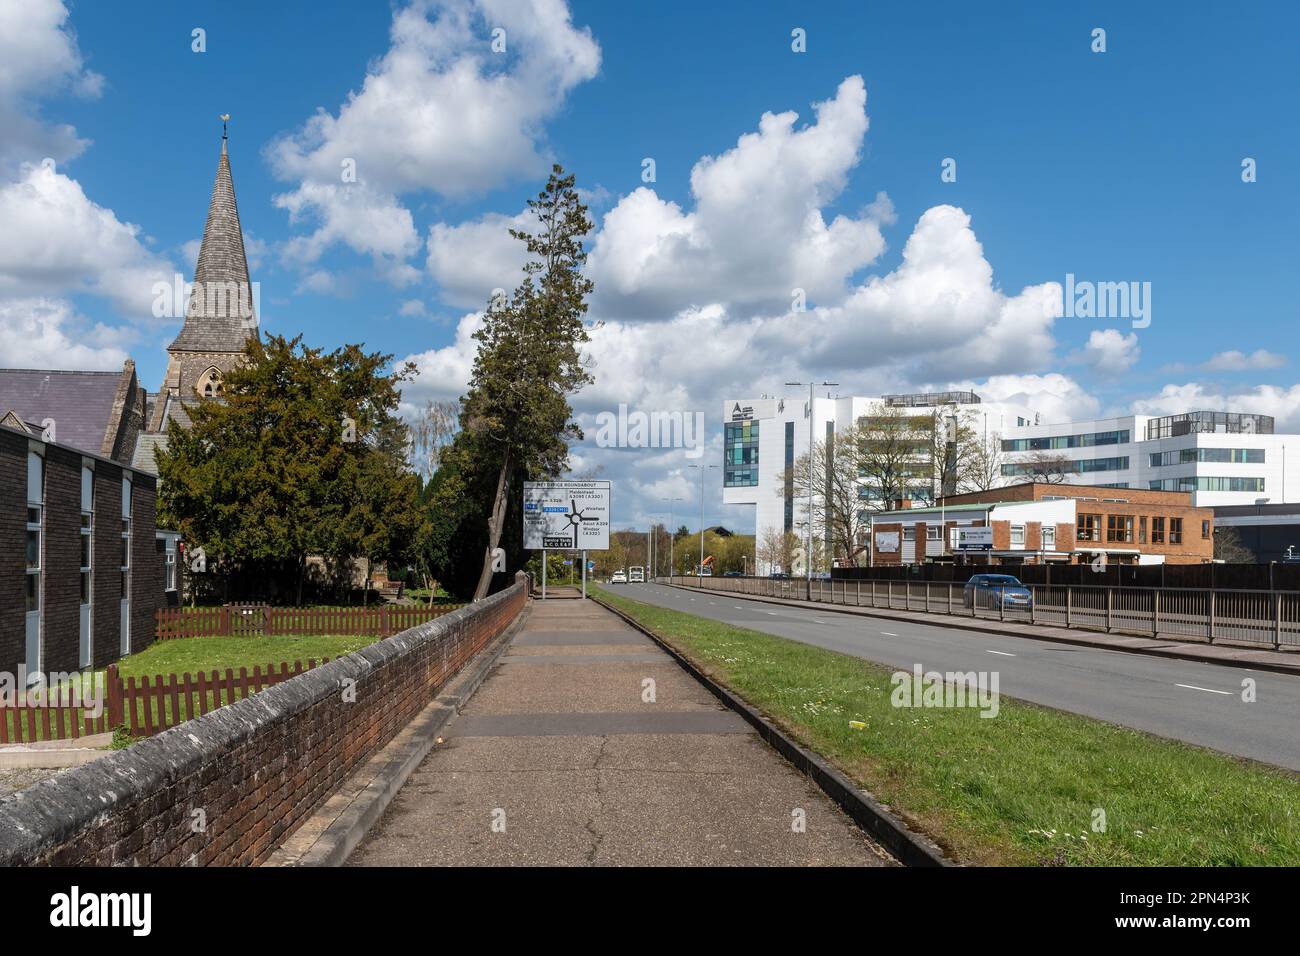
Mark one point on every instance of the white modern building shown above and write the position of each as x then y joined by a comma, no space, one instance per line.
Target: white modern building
764,436
1223,458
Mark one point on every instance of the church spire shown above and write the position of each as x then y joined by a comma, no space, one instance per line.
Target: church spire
220,316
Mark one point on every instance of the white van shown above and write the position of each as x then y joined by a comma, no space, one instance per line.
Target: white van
636,575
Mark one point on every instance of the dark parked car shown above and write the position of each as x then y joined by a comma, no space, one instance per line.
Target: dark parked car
997,591
732,574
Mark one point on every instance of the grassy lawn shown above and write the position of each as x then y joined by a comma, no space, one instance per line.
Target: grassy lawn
1017,789
194,654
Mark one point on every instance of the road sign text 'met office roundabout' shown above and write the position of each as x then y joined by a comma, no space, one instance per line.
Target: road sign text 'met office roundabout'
566,515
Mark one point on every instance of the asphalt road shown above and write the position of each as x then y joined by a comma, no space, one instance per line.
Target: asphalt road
1184,700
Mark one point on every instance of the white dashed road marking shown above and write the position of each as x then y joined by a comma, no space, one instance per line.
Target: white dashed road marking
889,634
1003,653
1208,690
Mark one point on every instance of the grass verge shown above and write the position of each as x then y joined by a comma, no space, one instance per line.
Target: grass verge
1022,788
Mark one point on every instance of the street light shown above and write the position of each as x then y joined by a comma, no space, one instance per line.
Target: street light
699,571
672,537
811,386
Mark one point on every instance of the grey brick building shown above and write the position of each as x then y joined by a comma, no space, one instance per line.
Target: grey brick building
84,568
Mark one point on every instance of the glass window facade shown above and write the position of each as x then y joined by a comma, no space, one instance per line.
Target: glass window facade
1184,456
789,477
1080,466
1223,423
1207,483
740,448
1050,443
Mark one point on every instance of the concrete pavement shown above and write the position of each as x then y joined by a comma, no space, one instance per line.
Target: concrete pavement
588,745
1200,703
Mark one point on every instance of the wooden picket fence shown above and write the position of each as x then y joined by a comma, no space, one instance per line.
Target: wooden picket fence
263,620
145,708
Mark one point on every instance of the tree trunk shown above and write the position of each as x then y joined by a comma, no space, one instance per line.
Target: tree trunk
302,563
495,524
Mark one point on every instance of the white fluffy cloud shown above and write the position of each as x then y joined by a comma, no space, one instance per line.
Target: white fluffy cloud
939,311
1109,352
468,261
1057,397
39,58
757,230
48,333
1235,361
696,303
56,240
440,111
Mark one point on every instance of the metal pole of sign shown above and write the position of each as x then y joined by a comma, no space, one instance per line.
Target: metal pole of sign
584,575
543,574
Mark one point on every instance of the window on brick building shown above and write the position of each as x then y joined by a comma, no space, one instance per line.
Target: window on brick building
1049,538
1205,529
1175,530
1089,527
87,563
1119,528
1017,536
1157,530
35,551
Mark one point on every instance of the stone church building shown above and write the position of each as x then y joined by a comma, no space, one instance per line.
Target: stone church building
219,319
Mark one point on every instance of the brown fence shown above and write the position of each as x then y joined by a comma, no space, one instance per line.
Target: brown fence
145,708
263,620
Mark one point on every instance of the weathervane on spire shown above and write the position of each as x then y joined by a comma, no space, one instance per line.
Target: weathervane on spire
225,118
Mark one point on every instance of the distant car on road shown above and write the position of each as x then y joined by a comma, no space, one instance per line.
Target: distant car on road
732,574
636,575
779,575
997,591
618,577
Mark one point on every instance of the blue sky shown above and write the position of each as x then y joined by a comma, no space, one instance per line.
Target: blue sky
1115,166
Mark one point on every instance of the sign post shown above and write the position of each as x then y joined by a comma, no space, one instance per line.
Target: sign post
568,515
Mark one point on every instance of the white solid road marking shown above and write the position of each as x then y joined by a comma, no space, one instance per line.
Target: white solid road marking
1003,653
1208,690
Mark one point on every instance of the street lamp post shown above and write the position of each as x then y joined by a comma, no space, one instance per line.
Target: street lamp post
672,537
811,386
699,571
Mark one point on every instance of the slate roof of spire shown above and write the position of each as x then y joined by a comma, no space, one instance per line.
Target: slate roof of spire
219,317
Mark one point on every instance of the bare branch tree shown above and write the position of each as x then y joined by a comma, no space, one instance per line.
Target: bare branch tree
432,430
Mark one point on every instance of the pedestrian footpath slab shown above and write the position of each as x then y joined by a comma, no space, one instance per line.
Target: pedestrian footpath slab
588,745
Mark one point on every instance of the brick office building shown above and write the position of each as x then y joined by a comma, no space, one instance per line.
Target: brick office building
1037,522
82,567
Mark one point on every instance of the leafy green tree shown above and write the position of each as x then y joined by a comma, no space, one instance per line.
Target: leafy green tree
516,421
302,455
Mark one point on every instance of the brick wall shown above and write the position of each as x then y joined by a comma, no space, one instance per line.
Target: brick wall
887,558
13,537
61,630
257,769
146,579
106,580
61,571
